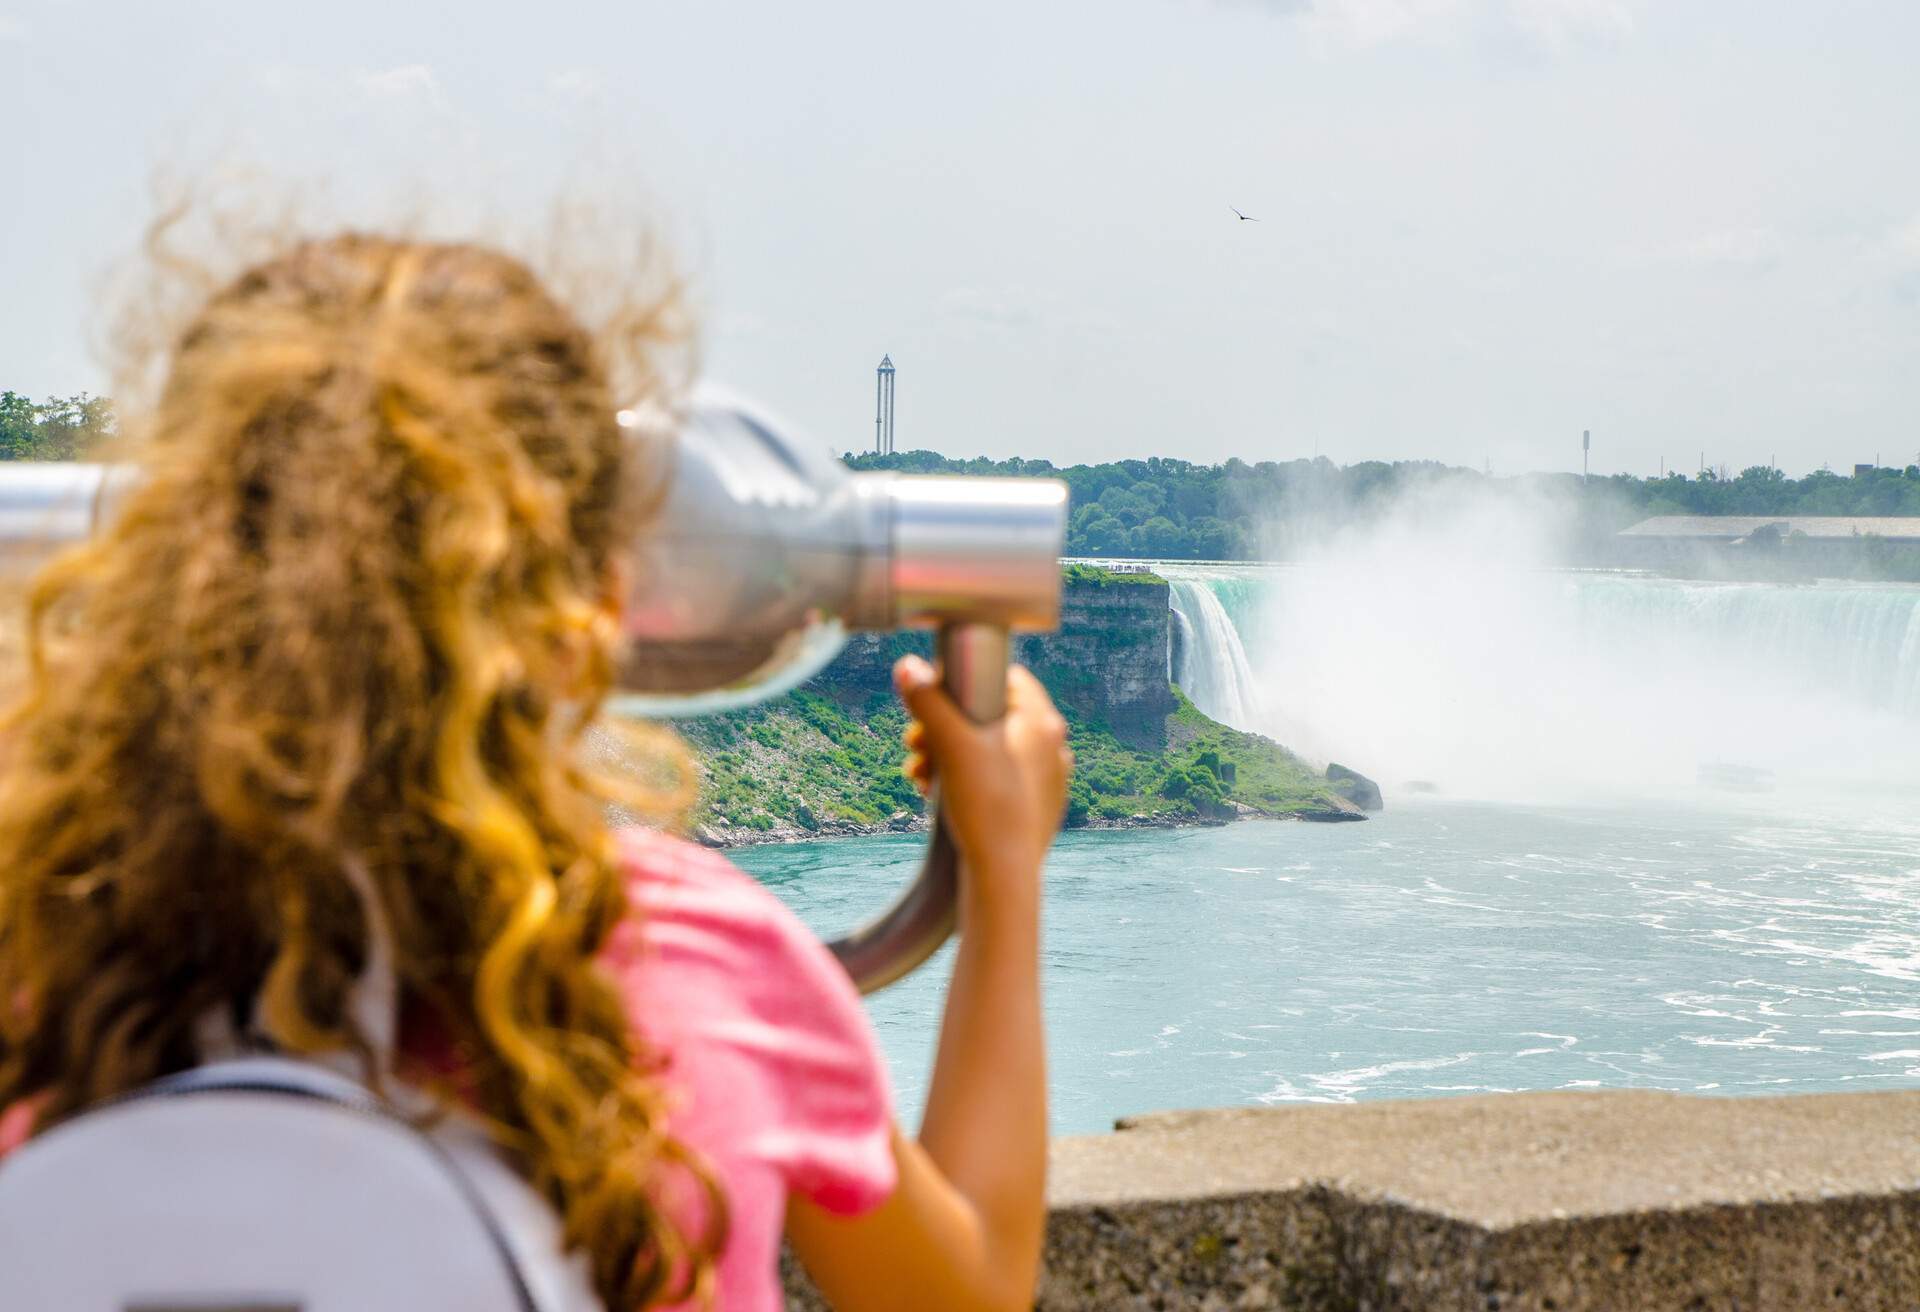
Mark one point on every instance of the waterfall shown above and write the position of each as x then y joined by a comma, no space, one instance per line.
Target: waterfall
1507,681
1213,668
1859,642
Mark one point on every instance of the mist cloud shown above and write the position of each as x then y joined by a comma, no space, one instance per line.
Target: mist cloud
1436,641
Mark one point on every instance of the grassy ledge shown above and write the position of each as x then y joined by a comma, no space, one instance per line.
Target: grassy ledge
820,764
1099,576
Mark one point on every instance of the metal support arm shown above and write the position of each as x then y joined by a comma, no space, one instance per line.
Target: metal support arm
973,661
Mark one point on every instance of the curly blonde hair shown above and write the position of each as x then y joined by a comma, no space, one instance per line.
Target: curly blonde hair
354,615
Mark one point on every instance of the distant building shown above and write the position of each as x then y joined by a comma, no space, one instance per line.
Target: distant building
1730,529
883,409
1707,544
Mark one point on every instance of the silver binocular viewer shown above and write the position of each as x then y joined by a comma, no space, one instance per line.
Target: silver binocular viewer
760,555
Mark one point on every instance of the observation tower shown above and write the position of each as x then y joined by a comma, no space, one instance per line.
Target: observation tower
883,409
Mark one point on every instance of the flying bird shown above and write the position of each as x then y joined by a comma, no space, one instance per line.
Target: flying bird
1244,218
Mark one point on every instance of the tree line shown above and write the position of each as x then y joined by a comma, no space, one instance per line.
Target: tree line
1170,509
1173,509
58,428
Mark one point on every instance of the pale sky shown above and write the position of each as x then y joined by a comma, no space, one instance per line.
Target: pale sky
1484,225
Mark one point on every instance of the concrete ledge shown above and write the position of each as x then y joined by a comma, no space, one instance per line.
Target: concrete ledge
1545,1202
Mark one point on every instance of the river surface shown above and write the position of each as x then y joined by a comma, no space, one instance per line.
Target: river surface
1579,904
1444,947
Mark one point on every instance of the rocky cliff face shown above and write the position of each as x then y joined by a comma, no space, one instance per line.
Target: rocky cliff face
1107,663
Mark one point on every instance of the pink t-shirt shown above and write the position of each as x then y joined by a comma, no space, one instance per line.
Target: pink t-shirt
775,1077
779,1079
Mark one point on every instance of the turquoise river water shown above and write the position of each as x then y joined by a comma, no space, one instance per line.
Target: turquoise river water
1444,947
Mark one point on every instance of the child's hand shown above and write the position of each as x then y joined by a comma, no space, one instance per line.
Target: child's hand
964,1227
1003,786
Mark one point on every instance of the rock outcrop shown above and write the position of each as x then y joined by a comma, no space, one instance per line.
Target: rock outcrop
1332,808
1356,787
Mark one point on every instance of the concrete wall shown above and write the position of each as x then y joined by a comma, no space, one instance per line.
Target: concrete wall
1550,1202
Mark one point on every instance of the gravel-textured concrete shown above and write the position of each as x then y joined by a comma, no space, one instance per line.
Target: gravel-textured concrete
1508,1159
1622,1202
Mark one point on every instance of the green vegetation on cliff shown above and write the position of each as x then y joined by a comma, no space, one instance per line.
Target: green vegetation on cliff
816,762
826,758
805,760
1099,576
1206,770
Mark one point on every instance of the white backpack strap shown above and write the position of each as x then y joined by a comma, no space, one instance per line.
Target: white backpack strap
373,1005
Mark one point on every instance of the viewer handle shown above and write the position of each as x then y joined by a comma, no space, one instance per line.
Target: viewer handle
973,662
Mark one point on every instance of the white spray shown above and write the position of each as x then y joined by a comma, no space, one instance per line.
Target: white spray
1436,645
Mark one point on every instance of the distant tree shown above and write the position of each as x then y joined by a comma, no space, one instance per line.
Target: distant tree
59,428
19,430
1175,509
1127,505
1161,537
70,426
1215,539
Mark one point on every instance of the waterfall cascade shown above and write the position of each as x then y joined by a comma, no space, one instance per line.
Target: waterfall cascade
1213,667
1520,681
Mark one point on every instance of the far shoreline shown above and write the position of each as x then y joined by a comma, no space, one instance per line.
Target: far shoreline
728,837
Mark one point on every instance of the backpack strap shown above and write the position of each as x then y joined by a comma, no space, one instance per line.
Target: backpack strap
282,1077
373,1002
